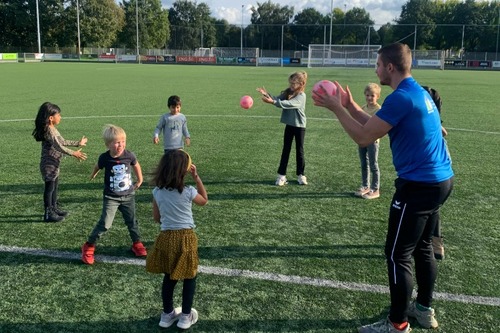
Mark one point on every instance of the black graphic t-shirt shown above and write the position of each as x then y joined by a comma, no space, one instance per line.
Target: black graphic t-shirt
117,173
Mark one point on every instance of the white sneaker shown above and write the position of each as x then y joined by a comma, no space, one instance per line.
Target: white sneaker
167,319
362,191
373,194
302,180
426,318
281,180
187,320
383,326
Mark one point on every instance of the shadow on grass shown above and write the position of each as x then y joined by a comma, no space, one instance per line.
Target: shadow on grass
268,191
16,193
334,252
38,187
22,218
148,323
278,196
267,185
339,251
219,326
68,256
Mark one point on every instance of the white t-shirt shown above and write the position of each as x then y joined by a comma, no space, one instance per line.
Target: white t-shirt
175,208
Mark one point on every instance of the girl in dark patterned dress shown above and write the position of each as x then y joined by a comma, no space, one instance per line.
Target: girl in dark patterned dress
53,149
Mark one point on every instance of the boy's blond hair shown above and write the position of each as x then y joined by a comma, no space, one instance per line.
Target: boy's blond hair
112,132
374,88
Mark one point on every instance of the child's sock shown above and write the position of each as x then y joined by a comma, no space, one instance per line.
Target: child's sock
420,307
400,326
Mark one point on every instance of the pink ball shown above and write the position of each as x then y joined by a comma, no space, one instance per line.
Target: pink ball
329,86
246,102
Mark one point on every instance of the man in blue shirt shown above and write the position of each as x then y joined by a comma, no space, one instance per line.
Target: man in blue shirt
425,180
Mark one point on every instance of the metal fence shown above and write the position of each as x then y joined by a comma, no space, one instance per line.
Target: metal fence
290,40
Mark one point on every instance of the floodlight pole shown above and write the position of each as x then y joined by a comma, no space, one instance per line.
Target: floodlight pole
201,34
282,34
463,35
414,42
345,11
241,38
38,28
137,29
78,26
369,42
331,23
498,31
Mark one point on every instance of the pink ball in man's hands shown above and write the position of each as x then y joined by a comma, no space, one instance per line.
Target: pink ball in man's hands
329,86
246,102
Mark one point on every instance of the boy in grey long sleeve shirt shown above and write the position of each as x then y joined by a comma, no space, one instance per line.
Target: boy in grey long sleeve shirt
173,125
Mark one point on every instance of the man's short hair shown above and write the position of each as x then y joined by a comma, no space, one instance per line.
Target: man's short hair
397,54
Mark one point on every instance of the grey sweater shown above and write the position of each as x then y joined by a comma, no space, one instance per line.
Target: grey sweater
292,110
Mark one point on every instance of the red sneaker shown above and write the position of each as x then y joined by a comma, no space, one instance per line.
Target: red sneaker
139,249
88,253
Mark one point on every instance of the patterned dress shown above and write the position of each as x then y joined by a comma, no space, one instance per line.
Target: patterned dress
53,149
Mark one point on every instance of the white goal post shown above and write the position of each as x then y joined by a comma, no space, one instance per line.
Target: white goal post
236,55
248,52
245,52
325,55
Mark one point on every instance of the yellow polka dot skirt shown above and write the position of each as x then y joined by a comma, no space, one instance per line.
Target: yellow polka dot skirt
175,252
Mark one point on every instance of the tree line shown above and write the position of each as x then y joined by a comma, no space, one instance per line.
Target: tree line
425,24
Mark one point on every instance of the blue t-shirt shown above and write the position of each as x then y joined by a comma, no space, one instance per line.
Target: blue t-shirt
419,150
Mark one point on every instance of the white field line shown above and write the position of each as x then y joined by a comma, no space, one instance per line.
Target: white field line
294,279
246,273
225,116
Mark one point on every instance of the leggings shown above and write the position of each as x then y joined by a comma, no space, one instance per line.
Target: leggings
167,294
298,133
50,193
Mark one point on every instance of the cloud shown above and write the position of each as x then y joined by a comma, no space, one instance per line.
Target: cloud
232,14
381,11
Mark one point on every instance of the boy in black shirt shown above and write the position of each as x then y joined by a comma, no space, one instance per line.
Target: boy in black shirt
119,191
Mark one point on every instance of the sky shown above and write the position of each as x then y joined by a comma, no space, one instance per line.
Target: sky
381,11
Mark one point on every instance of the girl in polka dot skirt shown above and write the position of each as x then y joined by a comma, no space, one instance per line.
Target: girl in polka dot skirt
175,251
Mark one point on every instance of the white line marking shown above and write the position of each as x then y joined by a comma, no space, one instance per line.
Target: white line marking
225,116
469,130
245,273
302,280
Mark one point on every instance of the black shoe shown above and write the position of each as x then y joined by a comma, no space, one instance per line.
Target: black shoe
60,212
51,216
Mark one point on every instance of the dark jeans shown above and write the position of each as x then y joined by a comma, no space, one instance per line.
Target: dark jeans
298,133
412,219
126,205
368,157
